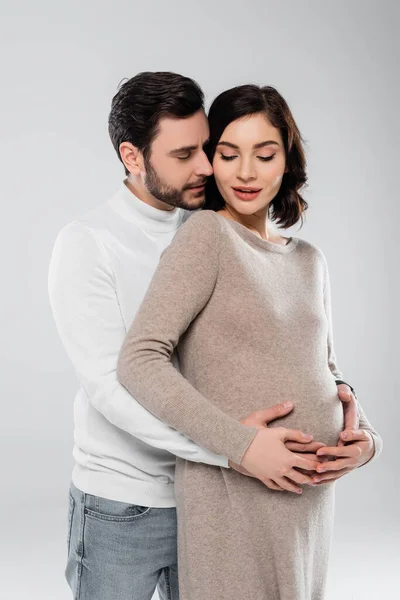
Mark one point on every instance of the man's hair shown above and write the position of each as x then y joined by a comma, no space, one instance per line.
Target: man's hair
288,205
143,100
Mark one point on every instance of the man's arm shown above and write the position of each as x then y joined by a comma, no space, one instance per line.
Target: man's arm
85,306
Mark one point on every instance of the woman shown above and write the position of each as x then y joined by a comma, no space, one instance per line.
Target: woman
249,313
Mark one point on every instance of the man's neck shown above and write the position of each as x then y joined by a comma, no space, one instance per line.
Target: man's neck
142,194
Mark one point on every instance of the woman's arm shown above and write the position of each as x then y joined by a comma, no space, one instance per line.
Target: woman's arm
363,421
181,287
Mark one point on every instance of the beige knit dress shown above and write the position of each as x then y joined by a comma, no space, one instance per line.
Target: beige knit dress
251,322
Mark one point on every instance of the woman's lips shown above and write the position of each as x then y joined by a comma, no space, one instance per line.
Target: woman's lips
245,193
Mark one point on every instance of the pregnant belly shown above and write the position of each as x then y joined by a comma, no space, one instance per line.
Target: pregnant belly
319,413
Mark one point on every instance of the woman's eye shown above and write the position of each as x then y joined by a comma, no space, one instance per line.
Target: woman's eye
224,157
266,158
184,157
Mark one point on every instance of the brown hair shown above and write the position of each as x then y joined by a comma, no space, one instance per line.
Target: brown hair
288,205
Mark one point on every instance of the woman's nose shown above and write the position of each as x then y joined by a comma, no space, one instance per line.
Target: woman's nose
246,171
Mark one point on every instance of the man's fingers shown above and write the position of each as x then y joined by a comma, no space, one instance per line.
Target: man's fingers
260,418
274,412
308,464
295,435
272,485
335,465
306,447
330,476
288,485
300,478
354,435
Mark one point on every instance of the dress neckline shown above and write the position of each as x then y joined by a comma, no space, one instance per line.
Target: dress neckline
256,240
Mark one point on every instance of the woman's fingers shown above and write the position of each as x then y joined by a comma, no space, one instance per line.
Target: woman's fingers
350,409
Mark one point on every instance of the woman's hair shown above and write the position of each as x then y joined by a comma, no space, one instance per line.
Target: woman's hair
143,100
288,205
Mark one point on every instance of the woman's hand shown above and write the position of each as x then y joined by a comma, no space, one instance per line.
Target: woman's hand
260,420
358,450
350,408
268,459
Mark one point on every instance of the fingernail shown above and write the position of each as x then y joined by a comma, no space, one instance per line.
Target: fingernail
320,452
299,491
308,436
321,469
344,436
287,404
317,479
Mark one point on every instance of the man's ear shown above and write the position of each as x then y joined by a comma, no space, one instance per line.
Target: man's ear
132,158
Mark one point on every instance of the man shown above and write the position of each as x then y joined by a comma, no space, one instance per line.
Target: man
122,520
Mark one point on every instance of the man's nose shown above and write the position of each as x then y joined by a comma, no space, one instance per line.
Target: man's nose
204,166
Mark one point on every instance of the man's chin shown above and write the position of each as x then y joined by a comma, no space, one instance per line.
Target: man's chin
194,201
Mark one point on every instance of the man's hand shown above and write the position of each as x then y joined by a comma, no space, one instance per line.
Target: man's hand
261,418
360,449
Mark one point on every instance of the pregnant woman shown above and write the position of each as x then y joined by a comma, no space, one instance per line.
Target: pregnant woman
248,312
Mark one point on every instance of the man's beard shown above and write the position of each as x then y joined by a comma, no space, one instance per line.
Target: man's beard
168,194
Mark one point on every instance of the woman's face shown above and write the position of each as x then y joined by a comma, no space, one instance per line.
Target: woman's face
249,164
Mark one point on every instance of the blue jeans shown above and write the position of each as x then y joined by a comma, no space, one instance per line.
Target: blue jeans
120,551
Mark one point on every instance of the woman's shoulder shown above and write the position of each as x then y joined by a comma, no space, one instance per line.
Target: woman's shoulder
202,224
311,249
199,233
202,218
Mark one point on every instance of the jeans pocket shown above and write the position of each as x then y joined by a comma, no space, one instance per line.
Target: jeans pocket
71,509
113,510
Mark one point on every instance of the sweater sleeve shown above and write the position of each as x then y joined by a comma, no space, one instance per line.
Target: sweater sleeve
86,310
181,287
363,421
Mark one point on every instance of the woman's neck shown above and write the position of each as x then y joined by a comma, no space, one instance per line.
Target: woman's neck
259,223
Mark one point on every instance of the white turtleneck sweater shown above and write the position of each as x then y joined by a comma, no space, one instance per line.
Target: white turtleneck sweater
100,269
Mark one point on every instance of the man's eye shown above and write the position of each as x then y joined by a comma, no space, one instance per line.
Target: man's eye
266,158
224,157
184,157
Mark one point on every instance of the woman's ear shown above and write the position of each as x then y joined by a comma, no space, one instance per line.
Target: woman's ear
132,158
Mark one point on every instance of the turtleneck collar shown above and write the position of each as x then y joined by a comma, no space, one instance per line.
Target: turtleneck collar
134,210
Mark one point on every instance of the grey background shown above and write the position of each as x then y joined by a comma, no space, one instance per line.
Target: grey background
336,64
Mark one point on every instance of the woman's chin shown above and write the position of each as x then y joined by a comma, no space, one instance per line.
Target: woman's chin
248,207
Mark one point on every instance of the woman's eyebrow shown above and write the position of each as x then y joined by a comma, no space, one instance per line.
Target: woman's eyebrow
256,146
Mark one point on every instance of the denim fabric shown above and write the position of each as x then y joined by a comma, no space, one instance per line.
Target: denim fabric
120,551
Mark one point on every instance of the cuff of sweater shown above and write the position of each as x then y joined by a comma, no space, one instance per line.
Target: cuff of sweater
245,441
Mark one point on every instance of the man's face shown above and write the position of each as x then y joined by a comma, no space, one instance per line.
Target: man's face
177,168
